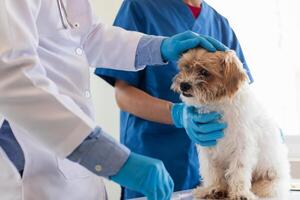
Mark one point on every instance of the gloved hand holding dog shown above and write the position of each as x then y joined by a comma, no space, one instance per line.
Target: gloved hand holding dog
202,128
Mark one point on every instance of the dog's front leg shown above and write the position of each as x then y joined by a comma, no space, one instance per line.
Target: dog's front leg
214,185
239,174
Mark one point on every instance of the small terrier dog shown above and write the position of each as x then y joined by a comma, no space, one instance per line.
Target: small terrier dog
250,162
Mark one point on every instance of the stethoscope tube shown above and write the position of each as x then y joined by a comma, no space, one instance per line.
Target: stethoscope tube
63,15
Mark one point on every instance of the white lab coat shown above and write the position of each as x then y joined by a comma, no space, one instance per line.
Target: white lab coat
45,93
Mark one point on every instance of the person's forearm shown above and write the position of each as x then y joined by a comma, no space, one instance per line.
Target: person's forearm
141,104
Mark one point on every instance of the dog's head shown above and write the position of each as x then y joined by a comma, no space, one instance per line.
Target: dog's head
207,78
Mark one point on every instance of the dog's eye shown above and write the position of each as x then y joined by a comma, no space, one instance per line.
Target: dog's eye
204,72
186,67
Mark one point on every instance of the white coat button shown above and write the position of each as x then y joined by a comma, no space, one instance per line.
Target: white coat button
98,168
79,51
76,25
87,94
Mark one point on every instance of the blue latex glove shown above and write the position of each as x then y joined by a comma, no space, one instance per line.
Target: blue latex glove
203,129
147,176
173,47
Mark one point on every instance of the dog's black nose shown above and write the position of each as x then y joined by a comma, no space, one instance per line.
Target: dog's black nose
184,86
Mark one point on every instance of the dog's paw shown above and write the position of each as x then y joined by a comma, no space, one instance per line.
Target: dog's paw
242,196
202,193
210,193
220,194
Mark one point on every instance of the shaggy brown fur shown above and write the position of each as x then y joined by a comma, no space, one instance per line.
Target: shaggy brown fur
218,75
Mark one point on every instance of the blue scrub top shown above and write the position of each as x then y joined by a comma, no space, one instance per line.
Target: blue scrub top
165,142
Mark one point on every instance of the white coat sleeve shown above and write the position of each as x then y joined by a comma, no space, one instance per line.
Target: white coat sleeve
27,97
112,47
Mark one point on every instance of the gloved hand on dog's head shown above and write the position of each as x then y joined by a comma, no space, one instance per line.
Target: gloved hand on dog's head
202,128
173,47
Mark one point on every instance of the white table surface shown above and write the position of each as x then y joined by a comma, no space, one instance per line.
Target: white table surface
187,195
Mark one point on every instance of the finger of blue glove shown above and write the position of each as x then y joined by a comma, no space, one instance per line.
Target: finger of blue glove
208,143
162,191
218,45
171,186
176,114
186,35
193,137
168,188
210,136
209,127
205,44
192,43
205,117
191,40
158,193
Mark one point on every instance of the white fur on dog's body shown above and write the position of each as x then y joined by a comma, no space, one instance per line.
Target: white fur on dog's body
252,150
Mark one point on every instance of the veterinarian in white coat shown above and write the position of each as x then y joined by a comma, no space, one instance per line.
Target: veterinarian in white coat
46,51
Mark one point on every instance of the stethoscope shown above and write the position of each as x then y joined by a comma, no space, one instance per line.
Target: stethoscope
63,15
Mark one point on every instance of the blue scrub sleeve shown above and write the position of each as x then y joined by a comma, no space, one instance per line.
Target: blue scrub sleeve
129,17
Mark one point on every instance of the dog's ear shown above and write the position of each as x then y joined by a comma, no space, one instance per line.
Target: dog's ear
233,72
